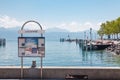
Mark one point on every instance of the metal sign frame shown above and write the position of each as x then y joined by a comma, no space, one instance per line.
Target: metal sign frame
31,31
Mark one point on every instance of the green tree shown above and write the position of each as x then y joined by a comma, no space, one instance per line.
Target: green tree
110,28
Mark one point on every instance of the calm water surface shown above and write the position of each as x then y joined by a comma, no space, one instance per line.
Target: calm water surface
58,54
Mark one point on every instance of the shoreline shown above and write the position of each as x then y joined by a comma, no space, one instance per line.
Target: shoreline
64,67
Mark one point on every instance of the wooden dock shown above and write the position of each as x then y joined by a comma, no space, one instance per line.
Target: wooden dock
2,42
69,40
96,45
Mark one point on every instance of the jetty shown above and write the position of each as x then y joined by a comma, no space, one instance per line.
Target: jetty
99,45
90,45
69,40
95,45
2,41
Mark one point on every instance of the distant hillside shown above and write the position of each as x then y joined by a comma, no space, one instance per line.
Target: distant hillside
50,34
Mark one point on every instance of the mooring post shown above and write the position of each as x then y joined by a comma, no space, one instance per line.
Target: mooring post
90,38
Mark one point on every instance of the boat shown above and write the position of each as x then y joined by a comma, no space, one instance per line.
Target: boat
97,45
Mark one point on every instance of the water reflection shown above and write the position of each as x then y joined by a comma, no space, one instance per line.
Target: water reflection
60,54
98,58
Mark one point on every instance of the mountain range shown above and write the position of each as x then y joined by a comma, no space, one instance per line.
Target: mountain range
50,34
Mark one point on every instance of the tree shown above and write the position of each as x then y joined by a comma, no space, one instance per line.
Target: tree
101,30
110,28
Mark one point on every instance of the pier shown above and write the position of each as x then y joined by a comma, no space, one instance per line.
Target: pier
69,40
90,45
2,42
97,45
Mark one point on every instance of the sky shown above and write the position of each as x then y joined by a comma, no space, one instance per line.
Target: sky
72,15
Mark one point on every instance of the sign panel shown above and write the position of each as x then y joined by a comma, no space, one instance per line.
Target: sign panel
31,46
31,31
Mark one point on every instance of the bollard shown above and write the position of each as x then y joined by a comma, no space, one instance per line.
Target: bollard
33,64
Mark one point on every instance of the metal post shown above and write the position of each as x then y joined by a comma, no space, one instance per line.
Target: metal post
91,45
41,61
86,41
21,67
90,38
84,44
41,68
22,63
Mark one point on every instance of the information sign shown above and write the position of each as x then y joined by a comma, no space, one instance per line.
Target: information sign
31,46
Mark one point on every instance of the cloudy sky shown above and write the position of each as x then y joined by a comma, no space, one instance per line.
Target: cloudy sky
72,15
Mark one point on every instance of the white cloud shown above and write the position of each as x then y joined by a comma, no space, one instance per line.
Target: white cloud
8,22
76,26
73,26
87,25
73,23
98,25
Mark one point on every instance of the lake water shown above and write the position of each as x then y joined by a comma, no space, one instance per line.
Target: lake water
58,54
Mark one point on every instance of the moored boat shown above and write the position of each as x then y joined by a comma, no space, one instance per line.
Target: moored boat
97,45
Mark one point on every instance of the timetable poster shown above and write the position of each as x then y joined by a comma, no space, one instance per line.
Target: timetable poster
31,46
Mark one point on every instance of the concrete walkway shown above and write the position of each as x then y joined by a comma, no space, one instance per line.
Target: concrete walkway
58,79
32,79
